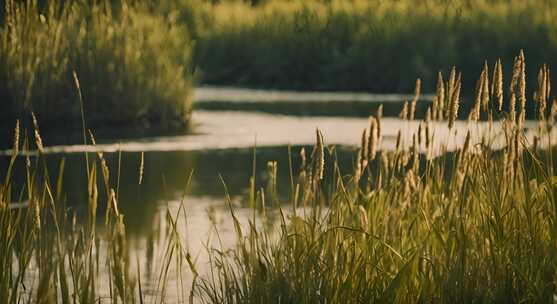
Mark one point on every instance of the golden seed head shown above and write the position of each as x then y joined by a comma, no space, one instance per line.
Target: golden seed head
498,84
417,92
373,138
319,156
16,138
485,89
455,101
38,139
475,113
378,116
404,113
440,96
141,167
522,89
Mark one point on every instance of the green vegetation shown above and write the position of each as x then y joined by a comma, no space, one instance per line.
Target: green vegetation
378,46
414,224
476,226
134,65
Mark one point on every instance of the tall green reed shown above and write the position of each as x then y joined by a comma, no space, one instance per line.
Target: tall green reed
134,64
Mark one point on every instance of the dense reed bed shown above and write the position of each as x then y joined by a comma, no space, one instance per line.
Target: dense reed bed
133,63
411,225
378,46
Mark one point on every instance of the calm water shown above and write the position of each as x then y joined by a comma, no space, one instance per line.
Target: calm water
223,146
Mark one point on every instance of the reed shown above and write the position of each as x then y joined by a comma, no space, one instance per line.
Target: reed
413,228
377,46
410,225
133,64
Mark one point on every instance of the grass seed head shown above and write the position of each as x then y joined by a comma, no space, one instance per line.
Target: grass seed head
373,138
16,138
417,92
38,139
498,84
404,112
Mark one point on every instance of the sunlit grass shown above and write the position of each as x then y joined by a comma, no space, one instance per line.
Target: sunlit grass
409,225
134,65
377,46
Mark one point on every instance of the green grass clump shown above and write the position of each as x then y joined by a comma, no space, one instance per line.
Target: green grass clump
377,46
134,65
474,226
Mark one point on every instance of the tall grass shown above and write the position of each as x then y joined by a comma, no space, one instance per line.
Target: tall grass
378,46
134,65
477,225
414,224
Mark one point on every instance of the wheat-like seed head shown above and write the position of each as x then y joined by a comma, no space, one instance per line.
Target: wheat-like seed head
485,89
16,138
404,112
440,95
522,88
373,138
417,92
141,167
475,113
512,89
38,139
378,116
455,101
320,156
497,84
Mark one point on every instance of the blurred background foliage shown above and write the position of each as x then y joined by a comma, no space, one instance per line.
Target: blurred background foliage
139,60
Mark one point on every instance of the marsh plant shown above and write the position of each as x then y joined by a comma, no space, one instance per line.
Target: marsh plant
134,64
368,45
414,224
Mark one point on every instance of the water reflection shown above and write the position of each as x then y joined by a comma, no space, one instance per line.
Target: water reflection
166,178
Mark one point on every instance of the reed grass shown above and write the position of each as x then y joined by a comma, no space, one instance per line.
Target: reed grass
133,63
377,46
474,226
409,225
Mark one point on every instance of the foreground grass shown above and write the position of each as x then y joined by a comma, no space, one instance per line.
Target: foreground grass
411,225
378,46
134,65
475,226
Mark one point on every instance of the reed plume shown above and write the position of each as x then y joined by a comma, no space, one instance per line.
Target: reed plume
512,89
38,139
497,84
455,101
319,156
363,150
485,90
543,91
417,92
522,88
141,167
450,91
404,112
440,95
475,113
378,116
373,138
16,138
